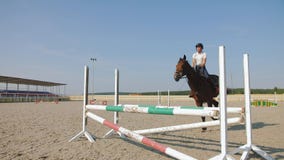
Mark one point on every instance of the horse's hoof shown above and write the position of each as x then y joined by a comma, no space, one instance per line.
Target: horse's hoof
215,118
204,129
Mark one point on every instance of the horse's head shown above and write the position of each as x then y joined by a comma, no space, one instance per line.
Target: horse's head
181,68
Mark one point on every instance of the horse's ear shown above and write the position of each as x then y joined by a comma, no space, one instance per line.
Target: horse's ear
184,57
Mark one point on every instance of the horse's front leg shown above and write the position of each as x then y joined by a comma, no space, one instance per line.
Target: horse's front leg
215,103
210,104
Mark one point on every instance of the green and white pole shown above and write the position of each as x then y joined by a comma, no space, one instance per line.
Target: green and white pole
194,111
172,110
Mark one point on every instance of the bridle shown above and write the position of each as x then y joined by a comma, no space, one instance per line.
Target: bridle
184,76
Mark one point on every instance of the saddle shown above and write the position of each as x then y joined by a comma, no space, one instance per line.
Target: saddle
212,79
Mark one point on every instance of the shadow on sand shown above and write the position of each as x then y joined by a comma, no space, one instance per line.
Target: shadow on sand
256,125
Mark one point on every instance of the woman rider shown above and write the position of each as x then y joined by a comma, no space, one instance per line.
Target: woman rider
199,60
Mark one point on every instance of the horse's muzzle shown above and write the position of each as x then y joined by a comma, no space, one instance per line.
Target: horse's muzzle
177,76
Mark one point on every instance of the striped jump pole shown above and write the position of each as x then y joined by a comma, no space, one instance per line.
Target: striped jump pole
154,110
188,126
229,109
141,139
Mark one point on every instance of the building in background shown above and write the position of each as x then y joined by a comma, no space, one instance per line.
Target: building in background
14,89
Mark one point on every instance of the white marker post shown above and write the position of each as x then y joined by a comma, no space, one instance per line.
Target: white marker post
85,102
223,107
169,103
116,102
116,95
159,97
249,146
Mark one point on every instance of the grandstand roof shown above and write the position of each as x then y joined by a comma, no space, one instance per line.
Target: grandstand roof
15,80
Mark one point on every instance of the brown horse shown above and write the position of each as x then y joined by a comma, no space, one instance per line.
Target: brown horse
202,89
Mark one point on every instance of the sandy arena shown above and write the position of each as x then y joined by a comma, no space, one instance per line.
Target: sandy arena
42,131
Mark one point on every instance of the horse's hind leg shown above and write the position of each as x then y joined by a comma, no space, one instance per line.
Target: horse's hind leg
215,103
203,120
199,104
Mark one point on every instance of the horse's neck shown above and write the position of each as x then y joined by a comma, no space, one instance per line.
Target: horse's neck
192,78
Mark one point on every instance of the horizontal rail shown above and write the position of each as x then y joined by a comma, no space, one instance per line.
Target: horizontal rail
188,126
155,110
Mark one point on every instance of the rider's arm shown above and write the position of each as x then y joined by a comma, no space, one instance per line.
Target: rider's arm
203,62
193,62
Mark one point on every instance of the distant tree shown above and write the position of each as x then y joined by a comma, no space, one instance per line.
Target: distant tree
275,89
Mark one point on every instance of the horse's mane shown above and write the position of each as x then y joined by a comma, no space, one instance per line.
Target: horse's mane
192,69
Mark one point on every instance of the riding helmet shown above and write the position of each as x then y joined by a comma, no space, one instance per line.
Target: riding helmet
199,45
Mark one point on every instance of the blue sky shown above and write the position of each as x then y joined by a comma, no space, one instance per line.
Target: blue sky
53,40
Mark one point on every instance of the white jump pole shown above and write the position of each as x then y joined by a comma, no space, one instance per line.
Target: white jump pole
223,107
249,146
116,101
188,126
275,97
116,95
159,97
247,104
85,102
169,103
